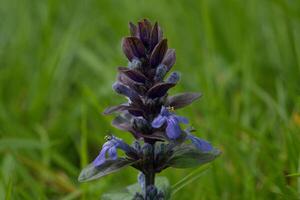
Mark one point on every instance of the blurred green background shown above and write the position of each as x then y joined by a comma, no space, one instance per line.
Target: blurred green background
58,61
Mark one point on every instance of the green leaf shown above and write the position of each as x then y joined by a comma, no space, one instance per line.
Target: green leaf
186,156
91,173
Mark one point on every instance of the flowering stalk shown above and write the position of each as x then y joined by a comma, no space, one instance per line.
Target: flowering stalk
149,115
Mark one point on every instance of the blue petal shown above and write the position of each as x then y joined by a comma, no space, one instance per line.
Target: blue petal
158,121
173,129
110,148
112,152
182,119
202,145
100,159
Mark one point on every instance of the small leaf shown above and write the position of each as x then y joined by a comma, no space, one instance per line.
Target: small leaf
144,31
123,122
158,135
125,80
133,29
170,58
183,99
109,166
159,90
133,74
155,36
133,48
113,109
124,107
158,52
135,111
186,156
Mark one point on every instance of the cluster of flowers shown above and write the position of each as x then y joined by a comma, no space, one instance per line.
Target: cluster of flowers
149,115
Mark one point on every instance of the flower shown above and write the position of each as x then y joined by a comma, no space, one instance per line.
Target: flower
110,148
200,144
173,129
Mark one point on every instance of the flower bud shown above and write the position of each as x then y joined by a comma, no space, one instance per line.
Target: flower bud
136,145
173,78
160,73
151,191
135,64
141,180
126,91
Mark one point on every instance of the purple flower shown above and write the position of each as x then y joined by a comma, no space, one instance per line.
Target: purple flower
200,144
110,148
173,129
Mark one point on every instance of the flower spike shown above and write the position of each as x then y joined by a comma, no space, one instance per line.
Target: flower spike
149,116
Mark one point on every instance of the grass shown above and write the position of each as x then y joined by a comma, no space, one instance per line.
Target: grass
58,61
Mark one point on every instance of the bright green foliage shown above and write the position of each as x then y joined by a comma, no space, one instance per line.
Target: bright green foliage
58,61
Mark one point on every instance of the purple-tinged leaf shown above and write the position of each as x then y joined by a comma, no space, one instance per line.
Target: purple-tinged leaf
159,90
125,80
123,122
91,172
135,111
133,48
144,31
158,52
170,58
133,74
133,29
117,108
155,36
182,100
158,135
124,107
